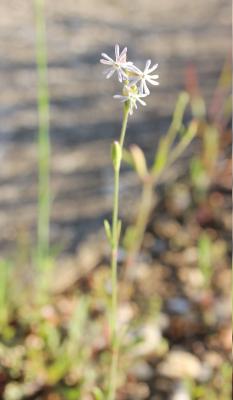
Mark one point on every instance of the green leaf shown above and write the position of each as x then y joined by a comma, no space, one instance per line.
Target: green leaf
108,230
178,114
161,156
98,394
129,237
184,142
198,107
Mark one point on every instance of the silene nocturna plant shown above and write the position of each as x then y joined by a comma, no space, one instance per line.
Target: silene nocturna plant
135,88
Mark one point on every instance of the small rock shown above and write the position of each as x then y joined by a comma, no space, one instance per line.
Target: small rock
179,199
151,337
222,309
138,272
137,391
213,359
193,277
181,364
13,391
125,314
190,255
159,247
88,256
142,371
165,227
178,305
180,393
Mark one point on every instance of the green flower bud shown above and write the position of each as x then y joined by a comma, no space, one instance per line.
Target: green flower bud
116,155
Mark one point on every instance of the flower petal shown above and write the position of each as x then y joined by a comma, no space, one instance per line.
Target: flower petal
141,101
141,87
148,63
109,73
152,82
117,51
122,56
120,78
152,68
120,97
107,57
106,62
146,89
153,76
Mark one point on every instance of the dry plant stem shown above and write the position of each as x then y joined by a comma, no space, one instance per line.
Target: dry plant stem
145,207
115,242
146,202
43,136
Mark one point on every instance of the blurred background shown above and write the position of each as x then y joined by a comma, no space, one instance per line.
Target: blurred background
174,264
84,118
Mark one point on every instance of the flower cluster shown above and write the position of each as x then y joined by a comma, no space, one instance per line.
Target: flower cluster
135,81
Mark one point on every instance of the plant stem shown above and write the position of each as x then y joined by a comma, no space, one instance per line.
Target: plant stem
43,136
146,201
145,207
115,242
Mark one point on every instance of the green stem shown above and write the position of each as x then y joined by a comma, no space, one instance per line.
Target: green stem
43,136
115,242
177,118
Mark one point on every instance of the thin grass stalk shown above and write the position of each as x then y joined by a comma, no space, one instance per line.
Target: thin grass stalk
43,217
115,245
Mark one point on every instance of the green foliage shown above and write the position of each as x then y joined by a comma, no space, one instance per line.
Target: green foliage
178,115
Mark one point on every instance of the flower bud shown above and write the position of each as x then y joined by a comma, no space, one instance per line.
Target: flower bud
139,161
116,155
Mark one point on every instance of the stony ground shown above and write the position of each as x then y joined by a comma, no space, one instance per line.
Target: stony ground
84,118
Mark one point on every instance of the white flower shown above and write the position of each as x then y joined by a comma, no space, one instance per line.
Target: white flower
132,97
119,65
143,77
